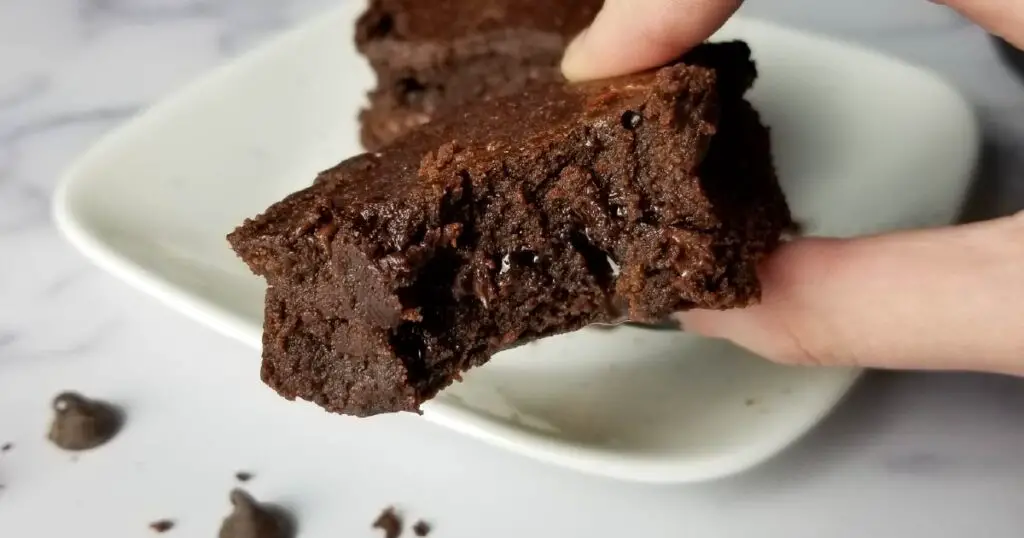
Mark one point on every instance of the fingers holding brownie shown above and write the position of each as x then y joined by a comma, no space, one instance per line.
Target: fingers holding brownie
632,35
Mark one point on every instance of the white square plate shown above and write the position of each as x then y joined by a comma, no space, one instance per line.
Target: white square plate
864,144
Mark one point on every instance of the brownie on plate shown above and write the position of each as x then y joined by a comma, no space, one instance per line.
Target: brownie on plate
513,219
433,57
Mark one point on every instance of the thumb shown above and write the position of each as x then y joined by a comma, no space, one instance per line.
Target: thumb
633,35
950,298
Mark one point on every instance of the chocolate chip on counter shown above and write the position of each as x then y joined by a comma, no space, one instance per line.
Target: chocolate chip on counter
82,424
251,519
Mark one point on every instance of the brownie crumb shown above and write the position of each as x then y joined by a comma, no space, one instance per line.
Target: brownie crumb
162,525
82,424
390,522
251,519
243,476
421,528
7,447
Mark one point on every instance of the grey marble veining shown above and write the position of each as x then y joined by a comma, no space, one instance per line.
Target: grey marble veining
908,455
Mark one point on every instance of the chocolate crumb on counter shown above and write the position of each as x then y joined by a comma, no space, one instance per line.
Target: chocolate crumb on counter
162,525
243,476
390,522
421,528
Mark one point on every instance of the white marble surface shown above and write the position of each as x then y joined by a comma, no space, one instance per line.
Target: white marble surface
907,455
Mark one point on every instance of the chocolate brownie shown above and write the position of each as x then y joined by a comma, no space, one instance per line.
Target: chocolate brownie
516,218
434,57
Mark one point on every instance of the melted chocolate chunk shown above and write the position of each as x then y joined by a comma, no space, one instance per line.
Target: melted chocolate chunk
631,120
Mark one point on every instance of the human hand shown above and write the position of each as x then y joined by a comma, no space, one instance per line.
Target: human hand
949,298
633,35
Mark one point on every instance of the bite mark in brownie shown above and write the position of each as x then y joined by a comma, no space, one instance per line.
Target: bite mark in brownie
514,219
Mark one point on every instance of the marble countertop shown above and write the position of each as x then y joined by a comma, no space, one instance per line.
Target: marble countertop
907,455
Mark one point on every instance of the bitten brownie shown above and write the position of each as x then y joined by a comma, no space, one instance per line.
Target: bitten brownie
514,219
434,57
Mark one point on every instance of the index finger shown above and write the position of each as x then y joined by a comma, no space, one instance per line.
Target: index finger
633,35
